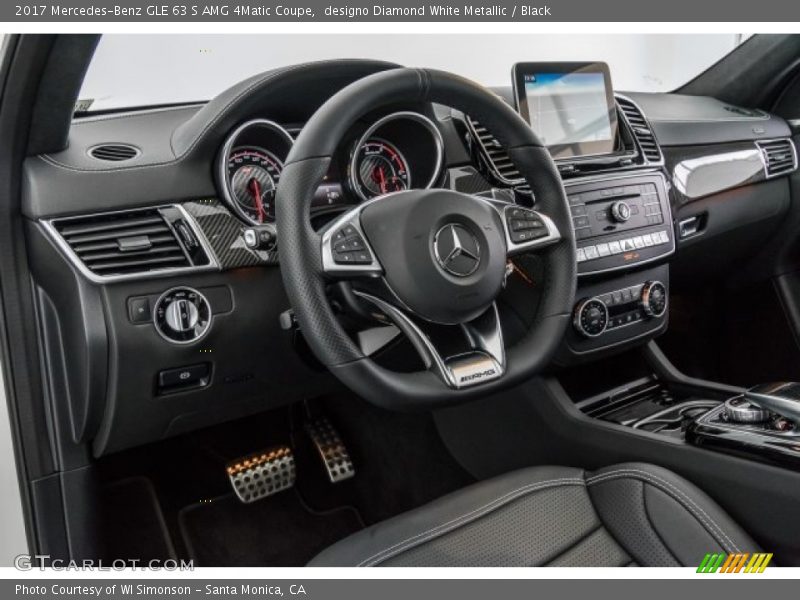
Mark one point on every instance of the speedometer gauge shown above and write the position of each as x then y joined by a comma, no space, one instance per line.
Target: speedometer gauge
254,174
249,168
380,168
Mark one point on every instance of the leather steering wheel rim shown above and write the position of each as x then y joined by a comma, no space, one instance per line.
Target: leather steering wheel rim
299,244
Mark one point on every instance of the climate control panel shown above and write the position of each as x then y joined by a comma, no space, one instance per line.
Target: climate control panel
596,315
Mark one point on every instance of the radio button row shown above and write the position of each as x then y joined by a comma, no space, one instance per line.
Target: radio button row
604,249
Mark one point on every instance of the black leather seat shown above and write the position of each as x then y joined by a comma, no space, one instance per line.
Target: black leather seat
626,515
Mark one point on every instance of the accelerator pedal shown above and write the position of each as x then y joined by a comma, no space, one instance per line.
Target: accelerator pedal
331,449
262,474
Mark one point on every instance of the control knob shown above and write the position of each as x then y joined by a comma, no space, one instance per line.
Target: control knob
620,211
182,315
740,410
654,299
591,317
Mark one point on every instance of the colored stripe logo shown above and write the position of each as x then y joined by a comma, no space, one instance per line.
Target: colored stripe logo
741,562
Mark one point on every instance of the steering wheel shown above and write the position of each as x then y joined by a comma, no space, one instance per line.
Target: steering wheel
426,259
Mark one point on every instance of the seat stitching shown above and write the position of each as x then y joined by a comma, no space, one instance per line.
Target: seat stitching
689,504
653,526
460,520
678,495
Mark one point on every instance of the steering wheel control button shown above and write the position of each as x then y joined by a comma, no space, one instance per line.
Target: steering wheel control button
591,317
184,377
182,315
654,299
524,225
457,250
349,248
139,310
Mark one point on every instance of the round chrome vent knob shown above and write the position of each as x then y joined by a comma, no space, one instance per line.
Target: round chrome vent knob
739,410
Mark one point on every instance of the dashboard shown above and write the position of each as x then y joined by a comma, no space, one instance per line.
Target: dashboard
156,258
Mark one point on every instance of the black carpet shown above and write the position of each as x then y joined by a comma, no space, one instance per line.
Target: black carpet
134,526
279,531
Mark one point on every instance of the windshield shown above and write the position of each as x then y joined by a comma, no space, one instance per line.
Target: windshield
145,70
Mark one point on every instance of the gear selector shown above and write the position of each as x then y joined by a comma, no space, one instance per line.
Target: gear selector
782,398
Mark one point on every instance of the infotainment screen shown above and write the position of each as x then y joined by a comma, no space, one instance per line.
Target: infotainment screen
570,106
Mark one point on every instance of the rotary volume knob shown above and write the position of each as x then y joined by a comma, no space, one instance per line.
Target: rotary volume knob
654,299
591,317
620,211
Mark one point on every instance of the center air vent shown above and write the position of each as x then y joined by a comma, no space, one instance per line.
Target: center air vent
124,243
780,156
641,129
114,152
495,156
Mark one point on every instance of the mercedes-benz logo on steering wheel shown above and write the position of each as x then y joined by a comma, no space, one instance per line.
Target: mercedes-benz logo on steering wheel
457,250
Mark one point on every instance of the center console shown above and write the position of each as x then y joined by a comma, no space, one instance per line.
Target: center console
618,198
761,423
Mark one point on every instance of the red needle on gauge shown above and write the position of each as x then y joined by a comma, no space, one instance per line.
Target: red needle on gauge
255,189
382,180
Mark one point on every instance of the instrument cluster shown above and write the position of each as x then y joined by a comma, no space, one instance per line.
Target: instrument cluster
399,151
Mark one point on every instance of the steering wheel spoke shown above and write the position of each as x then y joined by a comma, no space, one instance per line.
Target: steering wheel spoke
346,251
480,357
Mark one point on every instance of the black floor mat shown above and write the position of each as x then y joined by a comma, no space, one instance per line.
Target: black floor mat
133,523
279,531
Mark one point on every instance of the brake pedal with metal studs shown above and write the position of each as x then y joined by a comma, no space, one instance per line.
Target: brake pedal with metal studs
262,474
331,450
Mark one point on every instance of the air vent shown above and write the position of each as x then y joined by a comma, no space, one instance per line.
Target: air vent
123,243
780,156
495,155
641,129
114,152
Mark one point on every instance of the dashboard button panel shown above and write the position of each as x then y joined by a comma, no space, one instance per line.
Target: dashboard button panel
620,221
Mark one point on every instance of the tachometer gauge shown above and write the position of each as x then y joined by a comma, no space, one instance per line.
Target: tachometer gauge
379,168
254,174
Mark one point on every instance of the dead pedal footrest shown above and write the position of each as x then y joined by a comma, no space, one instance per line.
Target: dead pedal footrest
262,474
331,449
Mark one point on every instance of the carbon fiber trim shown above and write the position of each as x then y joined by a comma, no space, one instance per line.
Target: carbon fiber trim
225,234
